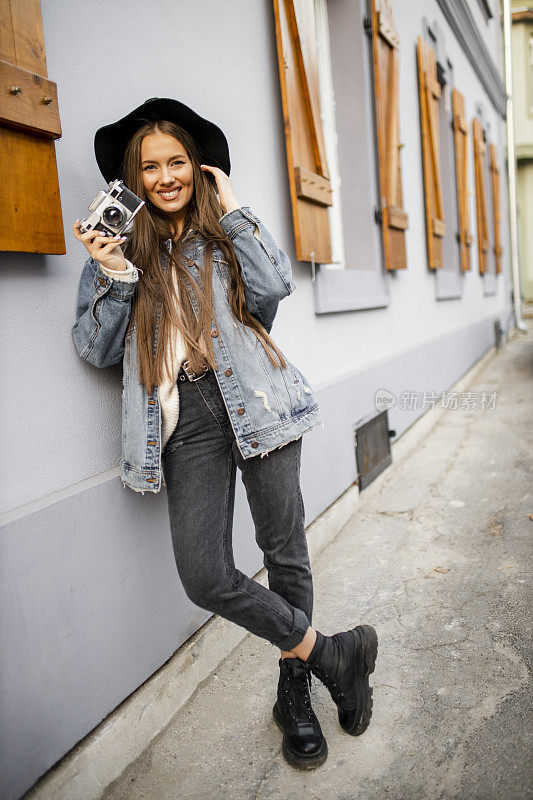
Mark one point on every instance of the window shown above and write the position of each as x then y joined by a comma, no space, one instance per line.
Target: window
496,216
430,94
460,134
487,173
309,181
386,62
327,104
451,243
354,74
444,135
480,160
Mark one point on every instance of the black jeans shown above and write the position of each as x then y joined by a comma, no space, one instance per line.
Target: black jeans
199,464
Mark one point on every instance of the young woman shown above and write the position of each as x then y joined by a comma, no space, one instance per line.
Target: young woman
206,390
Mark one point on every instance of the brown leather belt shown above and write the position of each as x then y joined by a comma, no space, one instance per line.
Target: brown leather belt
186,372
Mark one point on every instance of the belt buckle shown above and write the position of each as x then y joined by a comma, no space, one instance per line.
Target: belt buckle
192,376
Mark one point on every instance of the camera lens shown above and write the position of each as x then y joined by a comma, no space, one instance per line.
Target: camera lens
112,216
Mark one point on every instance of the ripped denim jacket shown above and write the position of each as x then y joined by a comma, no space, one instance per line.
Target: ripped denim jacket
267,406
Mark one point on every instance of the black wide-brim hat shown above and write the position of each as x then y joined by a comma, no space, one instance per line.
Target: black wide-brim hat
110,141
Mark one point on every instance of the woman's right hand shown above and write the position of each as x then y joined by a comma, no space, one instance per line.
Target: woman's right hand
105,250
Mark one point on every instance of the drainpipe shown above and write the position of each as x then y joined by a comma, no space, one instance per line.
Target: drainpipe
511,168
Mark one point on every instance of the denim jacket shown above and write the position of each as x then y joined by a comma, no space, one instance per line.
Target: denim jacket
267,406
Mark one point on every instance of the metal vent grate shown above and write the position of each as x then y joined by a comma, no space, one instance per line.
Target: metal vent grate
498,334
372,448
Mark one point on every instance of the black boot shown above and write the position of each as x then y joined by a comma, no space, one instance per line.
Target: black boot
343,663
303,743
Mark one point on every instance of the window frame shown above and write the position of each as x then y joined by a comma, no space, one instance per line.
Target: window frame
329,128
489,275
308,172
448,281
362,284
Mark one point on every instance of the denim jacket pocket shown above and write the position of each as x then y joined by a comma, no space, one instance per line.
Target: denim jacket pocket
296,388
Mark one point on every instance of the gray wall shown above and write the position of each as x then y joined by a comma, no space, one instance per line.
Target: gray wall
91,601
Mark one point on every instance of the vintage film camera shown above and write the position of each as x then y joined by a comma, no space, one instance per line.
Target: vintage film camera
112,210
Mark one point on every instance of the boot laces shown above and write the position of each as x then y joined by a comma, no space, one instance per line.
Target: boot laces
331,685
296,688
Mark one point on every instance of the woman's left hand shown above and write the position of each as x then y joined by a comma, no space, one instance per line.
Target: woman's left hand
228,201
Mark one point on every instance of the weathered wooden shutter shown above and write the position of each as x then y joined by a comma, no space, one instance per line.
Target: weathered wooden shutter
495,175
480,150
306,155
385,50
460,138
429,93
30,206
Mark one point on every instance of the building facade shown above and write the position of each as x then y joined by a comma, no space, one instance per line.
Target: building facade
369,138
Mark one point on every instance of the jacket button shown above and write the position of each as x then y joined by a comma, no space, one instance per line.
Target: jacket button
214,333
255,444
228,372
240,411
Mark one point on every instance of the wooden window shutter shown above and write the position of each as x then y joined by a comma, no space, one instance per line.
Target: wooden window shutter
495,176
460,138
304,138
30,206
429,93
385,51
480,150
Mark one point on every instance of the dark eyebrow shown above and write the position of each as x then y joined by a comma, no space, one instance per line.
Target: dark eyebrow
149,161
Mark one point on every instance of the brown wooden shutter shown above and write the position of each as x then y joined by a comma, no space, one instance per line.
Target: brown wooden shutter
385,50
480,150
460,138
30,206
495,175
306,155
429,93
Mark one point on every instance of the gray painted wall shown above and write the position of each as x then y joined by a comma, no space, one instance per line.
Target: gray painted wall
91,601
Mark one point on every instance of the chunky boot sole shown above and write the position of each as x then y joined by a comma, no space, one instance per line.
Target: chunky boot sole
356,721
293,757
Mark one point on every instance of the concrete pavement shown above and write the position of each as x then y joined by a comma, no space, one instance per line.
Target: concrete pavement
436,558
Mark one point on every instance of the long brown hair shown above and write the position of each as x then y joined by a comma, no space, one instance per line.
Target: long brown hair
155,291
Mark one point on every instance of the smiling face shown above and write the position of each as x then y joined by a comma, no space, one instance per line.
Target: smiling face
167,175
